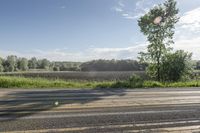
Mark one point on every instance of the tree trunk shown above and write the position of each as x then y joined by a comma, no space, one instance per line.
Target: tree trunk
158,69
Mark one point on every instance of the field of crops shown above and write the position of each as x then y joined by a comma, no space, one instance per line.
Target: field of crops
74,75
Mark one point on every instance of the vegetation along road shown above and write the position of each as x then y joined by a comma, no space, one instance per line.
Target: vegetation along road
100,110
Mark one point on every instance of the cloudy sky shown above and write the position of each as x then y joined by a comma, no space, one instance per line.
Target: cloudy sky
81,30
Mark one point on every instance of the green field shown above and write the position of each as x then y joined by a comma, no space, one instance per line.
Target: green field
22,82
77,75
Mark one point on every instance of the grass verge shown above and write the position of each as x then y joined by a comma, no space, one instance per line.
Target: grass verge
22,82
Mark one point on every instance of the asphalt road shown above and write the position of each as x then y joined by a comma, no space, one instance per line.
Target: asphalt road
100,110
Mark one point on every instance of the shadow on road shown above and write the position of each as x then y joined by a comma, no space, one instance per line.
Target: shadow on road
18,104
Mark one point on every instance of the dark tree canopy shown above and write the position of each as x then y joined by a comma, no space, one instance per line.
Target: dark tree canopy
112,65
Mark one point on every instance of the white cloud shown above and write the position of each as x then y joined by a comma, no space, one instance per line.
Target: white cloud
128,12
142,5
189,45
118,9
88,54
120,3
187,36
191,20
128,16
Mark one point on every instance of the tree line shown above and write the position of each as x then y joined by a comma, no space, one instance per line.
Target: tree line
113,65
13,63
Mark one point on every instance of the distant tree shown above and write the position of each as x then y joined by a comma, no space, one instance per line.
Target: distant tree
51,66
112,65
56,68
32,63
45,64
39,64
10,64
23,64
158,26
63,67
67,66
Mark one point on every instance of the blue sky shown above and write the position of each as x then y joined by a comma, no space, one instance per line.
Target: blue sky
81,30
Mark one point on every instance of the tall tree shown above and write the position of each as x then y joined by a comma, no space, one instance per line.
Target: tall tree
32,63
45,64
23,64
10,63
158,26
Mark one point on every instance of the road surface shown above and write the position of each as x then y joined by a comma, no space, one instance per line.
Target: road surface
100,110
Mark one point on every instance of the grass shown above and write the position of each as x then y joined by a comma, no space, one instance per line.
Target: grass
22,82
153,84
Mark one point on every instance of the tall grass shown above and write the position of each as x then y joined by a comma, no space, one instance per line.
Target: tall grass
133,82
22,82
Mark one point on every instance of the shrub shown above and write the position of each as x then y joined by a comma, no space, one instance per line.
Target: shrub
135,81
176,66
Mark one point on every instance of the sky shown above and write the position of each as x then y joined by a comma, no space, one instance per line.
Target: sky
82,30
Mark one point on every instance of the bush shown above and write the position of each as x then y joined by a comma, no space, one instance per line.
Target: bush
120,84
135,81
21,82
176,66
